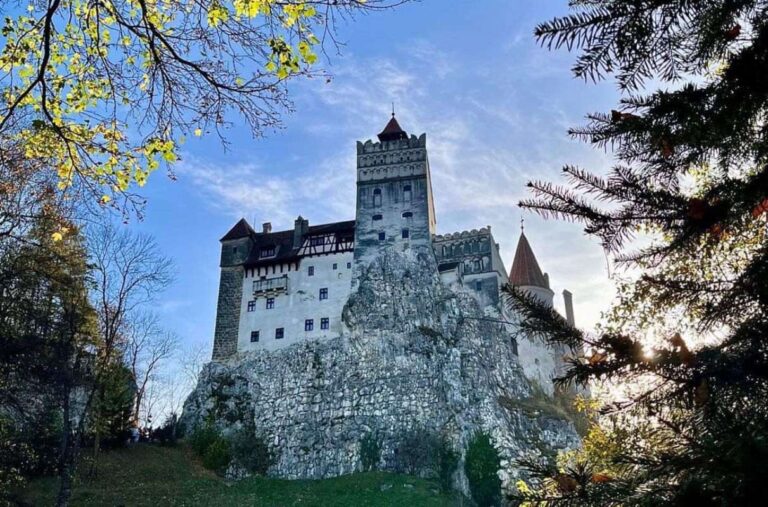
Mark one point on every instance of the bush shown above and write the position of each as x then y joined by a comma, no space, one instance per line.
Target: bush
482,466
251,452
370,452
426,453
167,433
448,462
217,456
202,438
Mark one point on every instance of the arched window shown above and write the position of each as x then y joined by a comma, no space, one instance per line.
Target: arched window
407,214
407,193
377,217
377,197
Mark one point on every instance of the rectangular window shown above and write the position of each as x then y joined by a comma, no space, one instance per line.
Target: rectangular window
251,305
270,303
254,336
335,266
406,233
267,251
323,294
309,325
382,236
311,271
279,333
349,265
324,323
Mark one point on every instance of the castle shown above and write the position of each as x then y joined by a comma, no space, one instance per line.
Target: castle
378,330
280,288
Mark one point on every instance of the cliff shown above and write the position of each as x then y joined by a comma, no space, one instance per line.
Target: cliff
415,355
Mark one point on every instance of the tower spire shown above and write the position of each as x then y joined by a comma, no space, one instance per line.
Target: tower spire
525,268
393,131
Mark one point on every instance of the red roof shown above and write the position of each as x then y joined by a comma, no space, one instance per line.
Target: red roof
392,131
525,270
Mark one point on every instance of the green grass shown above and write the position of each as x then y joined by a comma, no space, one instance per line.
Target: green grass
164,476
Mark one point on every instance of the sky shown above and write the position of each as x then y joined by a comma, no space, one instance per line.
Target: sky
495,107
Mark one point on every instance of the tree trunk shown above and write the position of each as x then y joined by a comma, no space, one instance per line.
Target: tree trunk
66,463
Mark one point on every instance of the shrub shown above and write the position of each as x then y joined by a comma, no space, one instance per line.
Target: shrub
202,438
447,464
426,453
251,452
217,456
482,466
370,452
167,433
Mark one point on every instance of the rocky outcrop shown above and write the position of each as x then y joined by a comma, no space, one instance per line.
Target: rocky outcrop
415,354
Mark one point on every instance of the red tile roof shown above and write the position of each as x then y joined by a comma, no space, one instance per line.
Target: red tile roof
525,270
392,131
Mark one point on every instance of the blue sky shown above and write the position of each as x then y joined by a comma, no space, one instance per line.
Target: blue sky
495,108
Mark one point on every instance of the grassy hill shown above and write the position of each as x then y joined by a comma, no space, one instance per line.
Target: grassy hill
170,476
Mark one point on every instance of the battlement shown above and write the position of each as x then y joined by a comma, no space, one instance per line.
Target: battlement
369,146
483,231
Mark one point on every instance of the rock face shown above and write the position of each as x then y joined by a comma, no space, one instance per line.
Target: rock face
414,355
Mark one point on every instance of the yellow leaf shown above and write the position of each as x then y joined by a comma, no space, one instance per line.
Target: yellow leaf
198,132
57,236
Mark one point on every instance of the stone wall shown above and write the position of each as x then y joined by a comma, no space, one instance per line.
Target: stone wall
228,312
413,354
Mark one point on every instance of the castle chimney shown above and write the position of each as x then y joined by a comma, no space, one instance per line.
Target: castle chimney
300,229
568,300
266,227
546,278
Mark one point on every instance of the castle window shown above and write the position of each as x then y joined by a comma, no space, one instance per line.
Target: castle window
349,265
445,251
475,246
377,197
382,236
234,250
251,305
267,251
324,323
477,265
407,193
317,241
323,293
335,266
478,285
514,346
407,214
311,271
270,303
309,325
377,217
406,233
279,333
254,336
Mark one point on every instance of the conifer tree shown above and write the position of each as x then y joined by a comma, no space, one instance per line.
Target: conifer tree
688,338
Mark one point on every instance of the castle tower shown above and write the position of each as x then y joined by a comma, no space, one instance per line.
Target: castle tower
394,194
236,245
526,273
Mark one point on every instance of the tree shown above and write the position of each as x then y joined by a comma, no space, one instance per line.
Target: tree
103,92
687,338
147,347
49,334
128,272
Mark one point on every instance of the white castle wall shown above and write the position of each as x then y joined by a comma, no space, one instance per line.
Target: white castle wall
301,302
